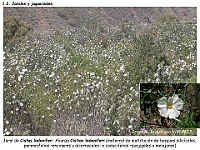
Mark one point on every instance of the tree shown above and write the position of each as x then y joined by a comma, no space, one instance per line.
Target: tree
14,30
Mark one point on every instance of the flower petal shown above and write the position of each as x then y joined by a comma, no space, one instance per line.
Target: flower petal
175,96
163,98
178,105
173,113
170,100
164,112
177,102
162,102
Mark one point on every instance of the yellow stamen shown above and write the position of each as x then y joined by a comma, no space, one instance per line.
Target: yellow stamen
169,106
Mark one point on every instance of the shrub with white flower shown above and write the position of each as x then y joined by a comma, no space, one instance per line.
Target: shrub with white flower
170,107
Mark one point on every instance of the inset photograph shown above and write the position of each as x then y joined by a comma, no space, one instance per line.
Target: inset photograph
165,106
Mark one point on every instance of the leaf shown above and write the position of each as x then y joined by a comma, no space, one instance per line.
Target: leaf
141,125
182,96
193,125
148,116
142,99
180,121
191,119
186,119
198,124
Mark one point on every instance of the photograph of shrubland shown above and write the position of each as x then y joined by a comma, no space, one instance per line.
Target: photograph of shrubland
76,71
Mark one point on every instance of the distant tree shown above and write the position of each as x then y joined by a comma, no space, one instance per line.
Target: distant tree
14,30
168,19
146,19
72,22
62,13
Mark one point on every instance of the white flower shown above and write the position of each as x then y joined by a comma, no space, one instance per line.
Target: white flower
130,126
156,75
20,77
78,75
131,88
11,129
52,74
48,108
7,122
56,101
170,107
75,82
7,133
122,68
21,104
92,74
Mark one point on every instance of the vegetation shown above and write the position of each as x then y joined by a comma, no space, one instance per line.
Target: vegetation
62,13
85,81
14,31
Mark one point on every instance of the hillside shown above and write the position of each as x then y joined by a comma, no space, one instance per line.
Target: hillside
57,18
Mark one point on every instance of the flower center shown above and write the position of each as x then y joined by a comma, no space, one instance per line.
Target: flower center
169,106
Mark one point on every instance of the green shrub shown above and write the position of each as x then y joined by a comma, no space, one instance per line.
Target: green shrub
62,13
72,22
167,19
14,31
